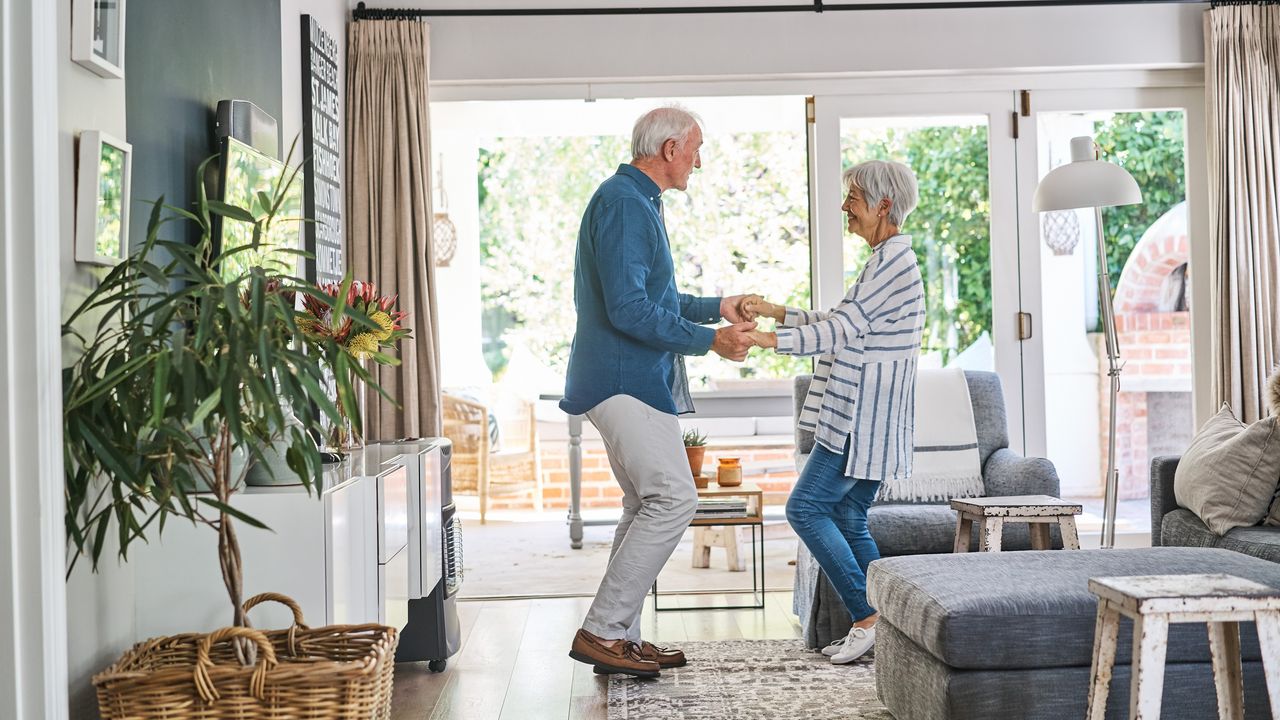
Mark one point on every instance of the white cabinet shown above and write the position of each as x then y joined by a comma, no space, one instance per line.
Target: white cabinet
343,556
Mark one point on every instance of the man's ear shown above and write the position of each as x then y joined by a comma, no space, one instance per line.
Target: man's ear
669,150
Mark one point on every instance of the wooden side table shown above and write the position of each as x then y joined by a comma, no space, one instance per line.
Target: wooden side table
991,513
1153,602
754,519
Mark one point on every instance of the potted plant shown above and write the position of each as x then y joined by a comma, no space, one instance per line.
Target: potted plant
695,446
360,342
184,367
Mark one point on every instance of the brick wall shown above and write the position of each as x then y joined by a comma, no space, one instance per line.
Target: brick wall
767,461
1155,349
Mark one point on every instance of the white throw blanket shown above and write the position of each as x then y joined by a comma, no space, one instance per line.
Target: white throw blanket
946,463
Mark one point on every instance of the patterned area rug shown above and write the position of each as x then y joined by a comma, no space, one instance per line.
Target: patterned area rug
750,680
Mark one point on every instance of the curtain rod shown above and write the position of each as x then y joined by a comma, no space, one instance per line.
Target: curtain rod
818,6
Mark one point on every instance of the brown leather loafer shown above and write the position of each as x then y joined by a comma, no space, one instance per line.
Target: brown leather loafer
665,657
624,657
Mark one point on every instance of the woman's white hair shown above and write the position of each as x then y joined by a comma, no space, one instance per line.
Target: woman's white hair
880,179
657,126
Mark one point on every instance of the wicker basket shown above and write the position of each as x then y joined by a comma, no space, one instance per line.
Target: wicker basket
339,671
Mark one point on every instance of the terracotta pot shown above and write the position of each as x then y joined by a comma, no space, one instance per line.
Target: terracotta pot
701,481
695,458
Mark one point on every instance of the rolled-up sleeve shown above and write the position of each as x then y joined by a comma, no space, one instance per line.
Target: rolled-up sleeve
623,257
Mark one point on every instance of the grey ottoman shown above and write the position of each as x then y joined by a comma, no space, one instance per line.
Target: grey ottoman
1010,635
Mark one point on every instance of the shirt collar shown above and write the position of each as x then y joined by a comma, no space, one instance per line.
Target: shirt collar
894,239
646,183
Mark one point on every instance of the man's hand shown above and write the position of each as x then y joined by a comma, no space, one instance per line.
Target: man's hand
757,306
733,341
735,307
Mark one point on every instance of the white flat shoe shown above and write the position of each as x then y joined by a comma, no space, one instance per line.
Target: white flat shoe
856,644
833,647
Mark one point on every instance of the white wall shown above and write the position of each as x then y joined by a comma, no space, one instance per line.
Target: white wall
99,606
565,48
332,16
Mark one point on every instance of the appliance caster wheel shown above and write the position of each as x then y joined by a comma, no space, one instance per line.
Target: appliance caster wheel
436,665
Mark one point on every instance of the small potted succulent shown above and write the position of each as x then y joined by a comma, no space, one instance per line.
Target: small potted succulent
695,446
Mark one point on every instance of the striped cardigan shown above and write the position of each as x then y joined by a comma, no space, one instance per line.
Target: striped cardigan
863,387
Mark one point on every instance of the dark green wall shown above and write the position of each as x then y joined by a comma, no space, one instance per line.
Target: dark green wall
181,58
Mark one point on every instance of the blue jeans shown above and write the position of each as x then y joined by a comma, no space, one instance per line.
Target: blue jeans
828,510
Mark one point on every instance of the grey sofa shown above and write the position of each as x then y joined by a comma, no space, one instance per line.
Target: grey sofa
923,528
1177,526
1010,635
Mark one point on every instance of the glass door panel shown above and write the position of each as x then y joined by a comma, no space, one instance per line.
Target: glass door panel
960,149
1149,250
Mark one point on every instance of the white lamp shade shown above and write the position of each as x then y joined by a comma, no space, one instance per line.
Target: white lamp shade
1085,182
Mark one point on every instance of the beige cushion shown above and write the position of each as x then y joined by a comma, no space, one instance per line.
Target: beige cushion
1228,475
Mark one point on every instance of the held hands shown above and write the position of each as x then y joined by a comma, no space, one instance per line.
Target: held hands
732,342
735,308
757,306
741,308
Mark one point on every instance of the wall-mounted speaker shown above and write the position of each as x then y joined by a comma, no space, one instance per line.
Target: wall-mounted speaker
249,124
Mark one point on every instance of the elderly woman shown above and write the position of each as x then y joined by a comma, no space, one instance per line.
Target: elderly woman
861,402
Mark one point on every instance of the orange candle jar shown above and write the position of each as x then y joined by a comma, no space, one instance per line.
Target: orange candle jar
729,473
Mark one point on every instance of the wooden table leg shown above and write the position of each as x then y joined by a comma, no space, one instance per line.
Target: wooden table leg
964,533
1106,629
1150,641
1228,680
1040,538
991,532
1269,639
701,548
1070,538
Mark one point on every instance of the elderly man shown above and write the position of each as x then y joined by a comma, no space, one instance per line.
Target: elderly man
626,374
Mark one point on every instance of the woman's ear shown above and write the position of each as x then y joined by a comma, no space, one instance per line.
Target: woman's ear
885,205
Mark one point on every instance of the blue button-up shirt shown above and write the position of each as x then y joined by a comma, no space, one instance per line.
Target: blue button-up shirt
633,326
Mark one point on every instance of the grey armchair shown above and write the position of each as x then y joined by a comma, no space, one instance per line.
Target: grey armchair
925,527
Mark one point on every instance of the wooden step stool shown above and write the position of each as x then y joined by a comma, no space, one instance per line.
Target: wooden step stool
728,537
1154,602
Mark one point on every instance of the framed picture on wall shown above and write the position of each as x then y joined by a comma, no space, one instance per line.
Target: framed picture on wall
102,199
97,36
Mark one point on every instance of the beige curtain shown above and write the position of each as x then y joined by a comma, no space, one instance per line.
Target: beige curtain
389,212
1242,72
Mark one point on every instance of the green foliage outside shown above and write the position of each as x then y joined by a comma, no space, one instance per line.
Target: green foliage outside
950,229
741,227
1150,146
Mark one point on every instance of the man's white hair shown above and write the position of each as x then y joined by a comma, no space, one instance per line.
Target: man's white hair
657,126
880,179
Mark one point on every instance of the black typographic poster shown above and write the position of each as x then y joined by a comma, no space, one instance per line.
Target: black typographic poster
322,145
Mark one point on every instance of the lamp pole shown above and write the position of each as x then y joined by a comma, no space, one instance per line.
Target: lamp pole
1088,182
1112,479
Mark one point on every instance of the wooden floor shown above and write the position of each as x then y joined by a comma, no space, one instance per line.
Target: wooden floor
514,660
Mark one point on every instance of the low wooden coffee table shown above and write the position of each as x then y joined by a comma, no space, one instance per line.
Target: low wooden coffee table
991,513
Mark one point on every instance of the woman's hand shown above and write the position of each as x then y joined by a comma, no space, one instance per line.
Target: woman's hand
763,339
758,306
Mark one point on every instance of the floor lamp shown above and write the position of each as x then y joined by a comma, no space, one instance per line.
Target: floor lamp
1087,182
